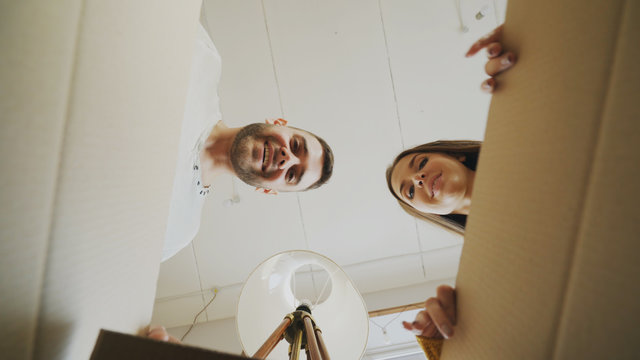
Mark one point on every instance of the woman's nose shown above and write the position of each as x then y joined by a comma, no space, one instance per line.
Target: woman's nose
286,159
419,180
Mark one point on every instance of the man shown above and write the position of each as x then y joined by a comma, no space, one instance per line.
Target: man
271,156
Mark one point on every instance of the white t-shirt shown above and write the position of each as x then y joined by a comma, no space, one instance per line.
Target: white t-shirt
202,111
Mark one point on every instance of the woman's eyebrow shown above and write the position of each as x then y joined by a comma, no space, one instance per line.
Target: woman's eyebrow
412,160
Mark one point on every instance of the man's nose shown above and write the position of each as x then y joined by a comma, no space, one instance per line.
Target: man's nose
419,179
286,158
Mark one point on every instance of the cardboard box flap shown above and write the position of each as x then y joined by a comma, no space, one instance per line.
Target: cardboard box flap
602,309
552,205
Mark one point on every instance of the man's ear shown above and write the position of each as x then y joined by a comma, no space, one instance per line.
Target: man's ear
266,191
278,121
462,158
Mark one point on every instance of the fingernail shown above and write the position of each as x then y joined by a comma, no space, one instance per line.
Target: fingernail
416,332
446,331
486,85
505,61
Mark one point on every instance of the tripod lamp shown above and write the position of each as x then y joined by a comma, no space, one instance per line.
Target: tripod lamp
306,299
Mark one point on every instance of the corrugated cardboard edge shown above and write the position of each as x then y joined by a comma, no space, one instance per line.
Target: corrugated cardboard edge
533,176
601,311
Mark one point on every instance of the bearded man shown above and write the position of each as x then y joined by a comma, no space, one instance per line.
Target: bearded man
271,156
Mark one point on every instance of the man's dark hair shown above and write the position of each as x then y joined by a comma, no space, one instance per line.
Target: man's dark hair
327,164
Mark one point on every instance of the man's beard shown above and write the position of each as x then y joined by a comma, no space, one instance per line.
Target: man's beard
241,156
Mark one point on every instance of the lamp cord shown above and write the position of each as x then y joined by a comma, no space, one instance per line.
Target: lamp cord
324,287
215,293
384,328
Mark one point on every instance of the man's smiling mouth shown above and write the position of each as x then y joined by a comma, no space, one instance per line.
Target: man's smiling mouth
265,156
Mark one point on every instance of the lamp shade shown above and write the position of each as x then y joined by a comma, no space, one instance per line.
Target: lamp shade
286,280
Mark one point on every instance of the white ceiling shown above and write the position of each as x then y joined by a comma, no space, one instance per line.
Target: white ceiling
371,77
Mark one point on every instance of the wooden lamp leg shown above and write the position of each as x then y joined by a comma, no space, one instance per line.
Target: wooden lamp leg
312,344
297,344
274,338
321,345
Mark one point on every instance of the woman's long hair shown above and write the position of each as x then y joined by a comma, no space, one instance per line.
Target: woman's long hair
469,149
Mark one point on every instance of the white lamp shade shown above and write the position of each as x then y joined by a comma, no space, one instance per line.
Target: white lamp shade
268,295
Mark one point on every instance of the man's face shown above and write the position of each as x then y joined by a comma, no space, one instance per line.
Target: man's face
277,157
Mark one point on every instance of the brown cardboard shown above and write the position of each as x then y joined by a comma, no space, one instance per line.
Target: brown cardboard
112,345
548,270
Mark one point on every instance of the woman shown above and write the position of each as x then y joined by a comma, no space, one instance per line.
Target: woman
434,181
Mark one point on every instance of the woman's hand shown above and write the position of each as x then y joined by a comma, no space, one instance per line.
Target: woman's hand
439,316
499,60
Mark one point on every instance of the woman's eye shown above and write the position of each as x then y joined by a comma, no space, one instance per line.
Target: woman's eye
422,163
290,175
412,190
295,145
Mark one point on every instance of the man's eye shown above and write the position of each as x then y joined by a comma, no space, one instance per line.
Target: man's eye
290,175
295,146
411,192
422,163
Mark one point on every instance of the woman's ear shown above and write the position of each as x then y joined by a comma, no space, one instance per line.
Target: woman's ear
278,121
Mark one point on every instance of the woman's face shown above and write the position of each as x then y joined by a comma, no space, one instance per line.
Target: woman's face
431,182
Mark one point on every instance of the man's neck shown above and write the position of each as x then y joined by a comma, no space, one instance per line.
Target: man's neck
215,154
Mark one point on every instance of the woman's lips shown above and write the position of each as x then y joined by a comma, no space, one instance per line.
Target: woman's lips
435,185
